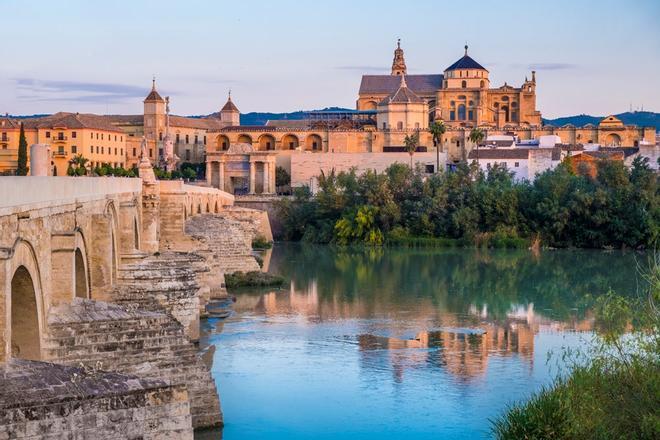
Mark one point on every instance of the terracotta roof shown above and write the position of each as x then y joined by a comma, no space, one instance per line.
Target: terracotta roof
601,154
290,123
627,151
229,106
499,153
201,123
72,120
126,119
6,122
386,84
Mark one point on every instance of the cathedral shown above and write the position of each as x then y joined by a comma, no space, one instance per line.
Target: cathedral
461,96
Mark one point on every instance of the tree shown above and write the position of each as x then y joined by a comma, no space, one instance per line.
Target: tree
189,173
22,169
77,166
411,142
477,135
282,177
437,129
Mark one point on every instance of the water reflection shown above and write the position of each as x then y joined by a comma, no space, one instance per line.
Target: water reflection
459,333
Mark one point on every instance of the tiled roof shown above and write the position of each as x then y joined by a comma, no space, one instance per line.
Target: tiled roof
403,95
290,123
126,119
497,143
154,96
6,122
604,154
386,84
556,153
201,123
465,63
72,120
229,106
627,151
499,153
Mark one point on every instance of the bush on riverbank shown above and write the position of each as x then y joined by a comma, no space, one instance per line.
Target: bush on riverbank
253,279
617,208
261,243
612,390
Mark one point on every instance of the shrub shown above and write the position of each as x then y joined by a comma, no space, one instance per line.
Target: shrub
261,242
253,278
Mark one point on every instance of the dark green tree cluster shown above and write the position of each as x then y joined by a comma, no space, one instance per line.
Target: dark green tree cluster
560,208
108,170
187,171
22,168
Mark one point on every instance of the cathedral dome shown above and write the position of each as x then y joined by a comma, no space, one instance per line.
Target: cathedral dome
466,62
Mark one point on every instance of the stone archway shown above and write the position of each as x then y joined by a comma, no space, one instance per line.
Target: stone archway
208,208
223,143
25,334
314,143
80,271
613,140
217,210
266,142
290,142
136,235
244,139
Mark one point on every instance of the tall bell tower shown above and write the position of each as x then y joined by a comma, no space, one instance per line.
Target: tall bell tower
399,63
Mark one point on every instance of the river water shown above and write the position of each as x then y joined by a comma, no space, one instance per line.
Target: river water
401,343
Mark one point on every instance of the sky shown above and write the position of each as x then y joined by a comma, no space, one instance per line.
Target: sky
593,57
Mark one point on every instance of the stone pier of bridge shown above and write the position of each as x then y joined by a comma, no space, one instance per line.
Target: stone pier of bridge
100,284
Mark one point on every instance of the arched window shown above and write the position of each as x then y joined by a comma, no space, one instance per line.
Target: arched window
471,103
482,84
461,112
464,84
505,98
399,125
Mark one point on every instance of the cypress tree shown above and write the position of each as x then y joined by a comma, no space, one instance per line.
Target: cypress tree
22,169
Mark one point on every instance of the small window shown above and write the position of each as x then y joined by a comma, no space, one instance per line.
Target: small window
48,134
452,103
399,125
151,152
384,125
74,149
516,164
452,115
471,115
92,135
73,135
187,154
102,150
196,139
91,150
97,136
187,139
204,140
160,136
514,104
429,169
177,138
505,98
101,136
97,149
482,84
115,151
464,84
160,152
121,151
471,103
224,145
134,151
60,150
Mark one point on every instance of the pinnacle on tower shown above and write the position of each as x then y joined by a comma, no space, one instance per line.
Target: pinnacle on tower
399,63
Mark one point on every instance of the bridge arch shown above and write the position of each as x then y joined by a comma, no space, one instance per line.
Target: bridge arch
266,142
290,142
111,210
81,267
26,303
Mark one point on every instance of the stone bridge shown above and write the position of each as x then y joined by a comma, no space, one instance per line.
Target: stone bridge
99,280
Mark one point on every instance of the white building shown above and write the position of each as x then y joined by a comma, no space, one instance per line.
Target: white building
525,163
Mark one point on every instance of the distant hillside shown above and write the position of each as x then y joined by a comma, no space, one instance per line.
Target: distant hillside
260,118
642,119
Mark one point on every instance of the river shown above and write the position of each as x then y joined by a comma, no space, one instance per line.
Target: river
401,343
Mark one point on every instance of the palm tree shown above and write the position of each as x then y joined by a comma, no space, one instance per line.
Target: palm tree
477,135
437,129
80,163
411,142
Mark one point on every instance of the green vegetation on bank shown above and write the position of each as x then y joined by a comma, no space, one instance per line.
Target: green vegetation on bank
560,208
260,242
254,278
612,389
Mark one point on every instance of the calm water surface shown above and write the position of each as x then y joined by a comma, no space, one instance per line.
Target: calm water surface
400,344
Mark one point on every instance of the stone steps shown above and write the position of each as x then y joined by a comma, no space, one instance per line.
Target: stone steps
148,344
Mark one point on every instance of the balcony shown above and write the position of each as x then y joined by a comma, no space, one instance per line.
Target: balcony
58,139
59,153
4,139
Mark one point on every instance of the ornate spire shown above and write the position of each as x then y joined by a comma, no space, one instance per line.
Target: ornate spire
399,63
466,48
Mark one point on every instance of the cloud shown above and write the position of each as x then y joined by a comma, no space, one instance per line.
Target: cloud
361,68
74,91
552,66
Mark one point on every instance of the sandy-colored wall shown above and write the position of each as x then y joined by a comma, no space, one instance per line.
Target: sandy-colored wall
306,167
